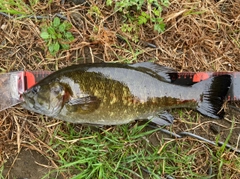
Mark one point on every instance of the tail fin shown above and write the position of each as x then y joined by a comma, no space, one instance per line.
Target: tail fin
215,91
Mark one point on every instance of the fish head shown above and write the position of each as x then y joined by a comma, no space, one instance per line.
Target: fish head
45,99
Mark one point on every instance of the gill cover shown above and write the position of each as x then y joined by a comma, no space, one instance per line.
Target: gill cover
45,99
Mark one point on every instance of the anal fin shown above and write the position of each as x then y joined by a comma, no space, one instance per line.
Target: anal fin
163,118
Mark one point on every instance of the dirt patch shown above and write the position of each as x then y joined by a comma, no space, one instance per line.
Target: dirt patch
27,164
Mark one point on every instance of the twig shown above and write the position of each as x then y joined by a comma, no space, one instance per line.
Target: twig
183,134
34,16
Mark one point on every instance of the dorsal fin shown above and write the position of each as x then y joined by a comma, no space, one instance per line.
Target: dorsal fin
152,68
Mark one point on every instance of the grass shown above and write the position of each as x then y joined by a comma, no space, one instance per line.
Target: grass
112,152
1,171
133,150
17,7
123,151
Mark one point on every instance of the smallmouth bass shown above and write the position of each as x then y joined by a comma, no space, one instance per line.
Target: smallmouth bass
112,94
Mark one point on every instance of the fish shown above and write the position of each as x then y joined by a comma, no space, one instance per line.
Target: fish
115,94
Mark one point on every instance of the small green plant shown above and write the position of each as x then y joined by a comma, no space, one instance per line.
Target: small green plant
142,12
131,28
94,10
57,35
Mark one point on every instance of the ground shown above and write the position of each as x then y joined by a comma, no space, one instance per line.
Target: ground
198,36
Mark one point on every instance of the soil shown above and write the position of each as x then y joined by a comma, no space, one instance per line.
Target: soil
28,164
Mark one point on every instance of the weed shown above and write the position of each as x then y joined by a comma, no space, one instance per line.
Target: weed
94,10
145,12
57,35
131,28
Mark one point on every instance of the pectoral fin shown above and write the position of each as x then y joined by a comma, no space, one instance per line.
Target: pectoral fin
83,105
163,118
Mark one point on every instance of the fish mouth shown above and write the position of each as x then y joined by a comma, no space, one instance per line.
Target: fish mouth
27,101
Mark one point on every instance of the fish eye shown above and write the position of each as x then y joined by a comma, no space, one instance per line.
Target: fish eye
35,89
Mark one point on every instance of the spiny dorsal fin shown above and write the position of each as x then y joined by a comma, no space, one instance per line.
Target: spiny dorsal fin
153,68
